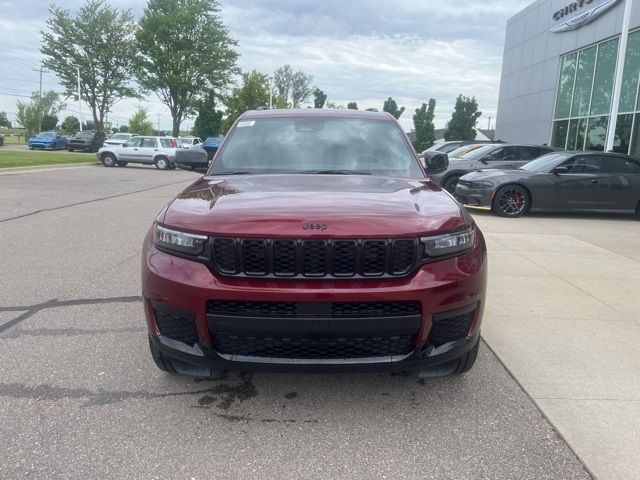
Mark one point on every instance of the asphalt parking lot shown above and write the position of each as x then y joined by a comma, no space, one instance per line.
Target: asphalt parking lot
81,398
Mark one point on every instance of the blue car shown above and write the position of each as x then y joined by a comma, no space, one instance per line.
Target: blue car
48,141
211,145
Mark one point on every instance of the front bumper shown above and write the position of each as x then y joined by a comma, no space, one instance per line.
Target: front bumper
41,145
442,288
79,145
474,197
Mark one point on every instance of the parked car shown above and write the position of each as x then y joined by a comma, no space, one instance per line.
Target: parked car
315,241
493,155
211,145
48,141
448,147
158,151
189,142
87,140
559,181
119,138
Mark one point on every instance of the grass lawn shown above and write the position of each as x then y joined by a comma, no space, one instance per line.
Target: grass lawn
14,140
33,158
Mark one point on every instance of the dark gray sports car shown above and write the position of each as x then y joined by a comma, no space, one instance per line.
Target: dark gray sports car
559,181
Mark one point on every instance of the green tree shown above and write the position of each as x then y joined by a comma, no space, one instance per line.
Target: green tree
49,122
209,120
4,121
31,114
293,86
124,128
423,125
184,52
139,123
99,40
252,94
70,125
391,107
334,105
319,98
352,106
464,118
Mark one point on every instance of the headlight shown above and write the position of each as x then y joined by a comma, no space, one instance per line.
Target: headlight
481,184
180,242
449,244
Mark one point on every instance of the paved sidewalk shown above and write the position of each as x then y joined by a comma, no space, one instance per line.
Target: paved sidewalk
562,314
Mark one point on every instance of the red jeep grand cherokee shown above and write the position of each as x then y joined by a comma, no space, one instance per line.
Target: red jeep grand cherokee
314,241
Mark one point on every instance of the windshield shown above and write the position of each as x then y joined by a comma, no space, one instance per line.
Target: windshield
448,148
476,153
121,136
85,134
546,163
460,151
46,134
317,145
213,140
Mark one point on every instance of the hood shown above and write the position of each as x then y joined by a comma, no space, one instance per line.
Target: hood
495,174
351,206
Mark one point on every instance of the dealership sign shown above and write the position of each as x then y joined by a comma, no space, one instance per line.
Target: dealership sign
583,16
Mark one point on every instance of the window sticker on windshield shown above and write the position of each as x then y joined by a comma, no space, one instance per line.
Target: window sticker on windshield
246,123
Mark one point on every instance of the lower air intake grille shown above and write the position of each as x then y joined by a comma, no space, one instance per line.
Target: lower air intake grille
314,348
177,328
450,329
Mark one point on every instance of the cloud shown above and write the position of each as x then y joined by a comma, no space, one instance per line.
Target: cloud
357,50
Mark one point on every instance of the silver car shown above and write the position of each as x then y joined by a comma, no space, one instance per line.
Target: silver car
493,155
119,138
158,151
189,142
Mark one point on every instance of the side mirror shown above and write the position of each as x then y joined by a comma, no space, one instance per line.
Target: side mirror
435,162
192,159
560,169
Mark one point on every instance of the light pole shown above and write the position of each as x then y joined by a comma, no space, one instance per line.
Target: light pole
270,94
79,97
617,85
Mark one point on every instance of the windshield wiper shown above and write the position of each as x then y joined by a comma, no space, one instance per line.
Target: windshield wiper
334,172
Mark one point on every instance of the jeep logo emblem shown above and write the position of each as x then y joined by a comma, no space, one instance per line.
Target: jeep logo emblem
315,226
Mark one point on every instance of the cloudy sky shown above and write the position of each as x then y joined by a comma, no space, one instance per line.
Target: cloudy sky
356,50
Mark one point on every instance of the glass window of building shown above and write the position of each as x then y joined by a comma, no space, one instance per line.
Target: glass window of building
585,92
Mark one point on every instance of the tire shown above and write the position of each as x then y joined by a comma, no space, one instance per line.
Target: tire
638,211
450,183
170,365
454,367
162,163
122,164
466,362
511,201
162,362
70,149
108,160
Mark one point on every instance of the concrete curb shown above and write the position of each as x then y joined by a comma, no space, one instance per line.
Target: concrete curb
45,168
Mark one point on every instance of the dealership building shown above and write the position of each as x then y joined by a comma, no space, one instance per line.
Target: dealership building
567,78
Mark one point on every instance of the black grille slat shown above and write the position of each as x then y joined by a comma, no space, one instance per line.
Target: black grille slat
314,348
254,255
345,258
176,327
224,254
261,257
248,308
374,257
314,258
403,256
284,258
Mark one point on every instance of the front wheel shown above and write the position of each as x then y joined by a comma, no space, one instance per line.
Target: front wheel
511,201
162,164
108,160
450,184
70,149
